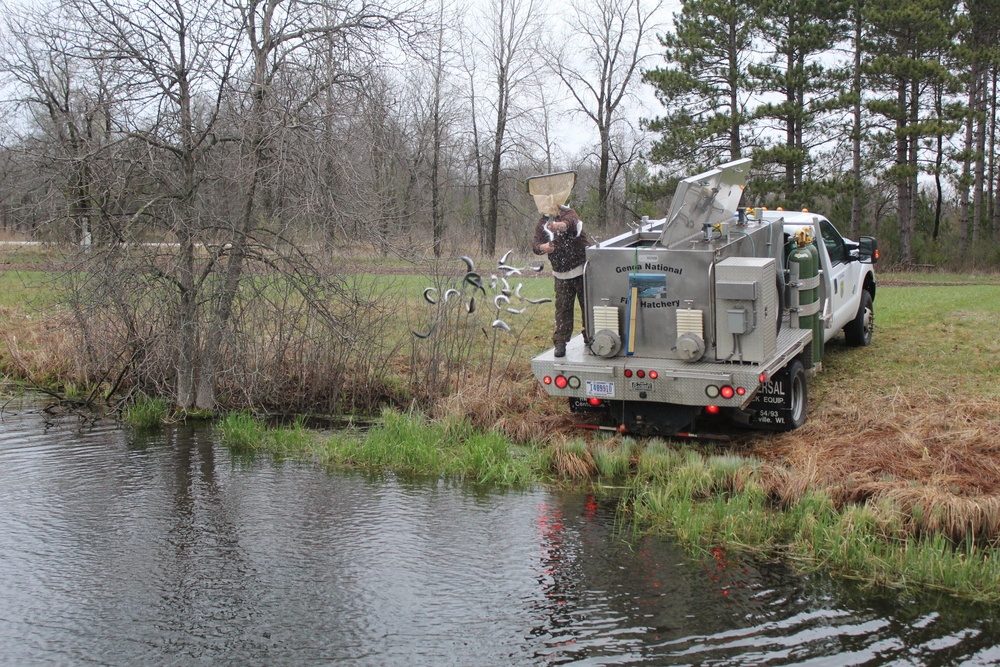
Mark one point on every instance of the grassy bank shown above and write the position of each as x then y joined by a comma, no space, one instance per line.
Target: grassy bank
702,497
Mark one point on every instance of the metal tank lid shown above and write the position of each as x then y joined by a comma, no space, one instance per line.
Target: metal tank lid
706,198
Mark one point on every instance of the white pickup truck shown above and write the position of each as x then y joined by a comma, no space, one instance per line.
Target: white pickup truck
714,309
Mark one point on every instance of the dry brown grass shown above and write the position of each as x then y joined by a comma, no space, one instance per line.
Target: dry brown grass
38,348
932,457
520,409
572,459
516,406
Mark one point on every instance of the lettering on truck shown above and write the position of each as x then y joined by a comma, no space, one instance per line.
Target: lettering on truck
647,303
772,392
630,268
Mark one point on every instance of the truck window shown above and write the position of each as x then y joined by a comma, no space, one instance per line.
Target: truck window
834,242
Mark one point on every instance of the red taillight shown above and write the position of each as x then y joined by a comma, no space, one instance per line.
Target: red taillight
561,381
594,401
547,379
712,409
653,375
725,392
641,374
762,378
740,391
628,372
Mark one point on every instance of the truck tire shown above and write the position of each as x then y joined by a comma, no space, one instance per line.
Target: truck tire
858,331
781,406
799,395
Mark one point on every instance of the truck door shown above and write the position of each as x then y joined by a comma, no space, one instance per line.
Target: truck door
842,288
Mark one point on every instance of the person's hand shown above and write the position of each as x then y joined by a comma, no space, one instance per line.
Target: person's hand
559,226
547,247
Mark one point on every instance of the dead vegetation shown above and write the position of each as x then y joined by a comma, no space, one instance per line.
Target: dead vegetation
517,407
928,461
932,458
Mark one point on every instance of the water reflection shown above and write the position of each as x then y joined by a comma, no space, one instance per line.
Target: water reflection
162,549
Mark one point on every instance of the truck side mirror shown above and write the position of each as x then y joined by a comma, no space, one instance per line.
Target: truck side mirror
868,250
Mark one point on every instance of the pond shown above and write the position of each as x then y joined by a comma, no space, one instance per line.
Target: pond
119,548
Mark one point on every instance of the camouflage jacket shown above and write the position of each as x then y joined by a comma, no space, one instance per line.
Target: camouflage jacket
570,245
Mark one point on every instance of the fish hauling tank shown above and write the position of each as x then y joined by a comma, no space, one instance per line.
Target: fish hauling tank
684,315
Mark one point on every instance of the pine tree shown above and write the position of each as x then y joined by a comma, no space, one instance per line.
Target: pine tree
976,59
705,87
908,44
800,32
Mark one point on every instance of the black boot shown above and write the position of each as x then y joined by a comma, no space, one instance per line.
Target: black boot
560,349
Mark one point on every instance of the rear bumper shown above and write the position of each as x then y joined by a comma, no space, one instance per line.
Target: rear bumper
699,383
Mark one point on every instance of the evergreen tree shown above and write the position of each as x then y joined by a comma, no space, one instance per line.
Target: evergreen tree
976,59
908,43
705,87
800,33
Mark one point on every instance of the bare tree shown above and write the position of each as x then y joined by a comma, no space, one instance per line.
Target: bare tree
175,57
511,29
282,37
600,63
70,100
211,97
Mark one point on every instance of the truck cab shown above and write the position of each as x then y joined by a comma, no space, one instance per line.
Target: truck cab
847,274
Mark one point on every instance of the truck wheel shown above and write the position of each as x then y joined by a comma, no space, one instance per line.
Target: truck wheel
858,331
799,396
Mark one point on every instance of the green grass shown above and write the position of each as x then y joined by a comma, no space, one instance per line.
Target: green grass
145,412
27,289
242,432
402,443
936,338
414,445
613,459
702,513
936,277
245,433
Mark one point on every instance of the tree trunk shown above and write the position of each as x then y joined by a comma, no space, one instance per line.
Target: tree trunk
490,233
603,187
966,178
902,178
734,101
980,172
187,329
856,129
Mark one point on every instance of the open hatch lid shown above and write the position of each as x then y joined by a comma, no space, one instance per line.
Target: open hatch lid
707,198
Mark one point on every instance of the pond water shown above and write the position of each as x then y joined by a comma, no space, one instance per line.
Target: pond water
127,549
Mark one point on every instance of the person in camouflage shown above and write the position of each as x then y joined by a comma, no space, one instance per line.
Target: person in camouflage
563,240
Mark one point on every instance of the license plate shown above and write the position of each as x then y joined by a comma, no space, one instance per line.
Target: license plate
600,389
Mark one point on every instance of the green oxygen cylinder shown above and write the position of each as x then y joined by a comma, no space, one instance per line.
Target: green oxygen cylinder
818,344
806,256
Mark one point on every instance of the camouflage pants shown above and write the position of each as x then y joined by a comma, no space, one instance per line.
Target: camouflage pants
568,292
